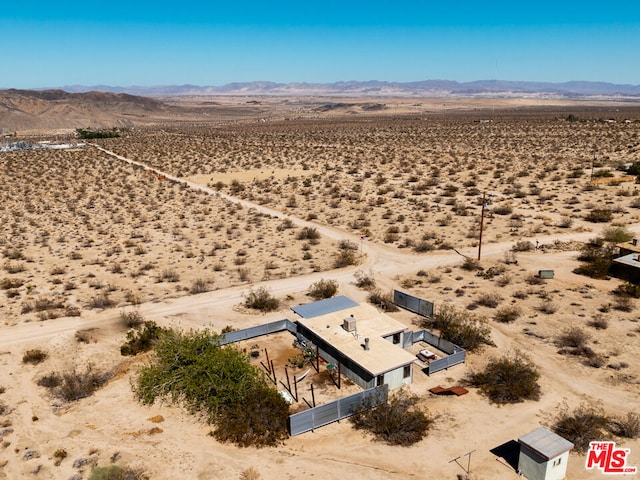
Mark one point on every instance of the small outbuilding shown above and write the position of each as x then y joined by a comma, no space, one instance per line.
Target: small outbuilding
543,455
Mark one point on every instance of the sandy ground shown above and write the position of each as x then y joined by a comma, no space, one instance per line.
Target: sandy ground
168,443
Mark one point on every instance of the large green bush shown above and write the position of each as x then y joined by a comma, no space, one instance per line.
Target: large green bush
509,379
460,327
217,382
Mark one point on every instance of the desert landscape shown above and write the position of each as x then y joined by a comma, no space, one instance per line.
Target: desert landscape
200,200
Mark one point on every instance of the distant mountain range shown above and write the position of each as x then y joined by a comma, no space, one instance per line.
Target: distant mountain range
426,88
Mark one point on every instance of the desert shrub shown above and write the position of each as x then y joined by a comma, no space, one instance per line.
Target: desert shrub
616,234
382,300
263,424
597,256
398,421
585,424
323,289
509,379
308,233
345,258
599,322
59,455
10,283
101,300
626,427
76,385
503,210
116,472
217,382
51,380
523,246
364,280
460,327
142,340
345,244
199,285
507,314
599,215
547,307
623,304
131,319
261,299
489,299
627,290
13,267
169,275
573,337
471,264
34,356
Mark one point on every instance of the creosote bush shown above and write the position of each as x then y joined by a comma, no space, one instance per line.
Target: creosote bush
507,314
509,379
141,340
34,356
261,299
398,421
460,327
74,385
382,300
585,424
364,280
323,289
116,472
218,382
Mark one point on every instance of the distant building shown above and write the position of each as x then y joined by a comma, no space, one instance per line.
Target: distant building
543,455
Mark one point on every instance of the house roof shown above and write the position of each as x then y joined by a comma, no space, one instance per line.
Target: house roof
546,443
382,356
630,260
323,307
630,246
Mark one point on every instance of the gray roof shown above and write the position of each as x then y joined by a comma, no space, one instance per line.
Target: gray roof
630,260
546,443
323,307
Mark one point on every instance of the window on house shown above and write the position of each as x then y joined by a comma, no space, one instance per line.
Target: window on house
396,338
407,371
380,380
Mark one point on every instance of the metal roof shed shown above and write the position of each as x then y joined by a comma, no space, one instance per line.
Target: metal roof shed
543,455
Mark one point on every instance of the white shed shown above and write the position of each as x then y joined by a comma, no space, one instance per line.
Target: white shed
543,455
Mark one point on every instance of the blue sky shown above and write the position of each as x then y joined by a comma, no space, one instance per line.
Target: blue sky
118,43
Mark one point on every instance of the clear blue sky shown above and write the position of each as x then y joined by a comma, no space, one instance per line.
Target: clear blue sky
113,42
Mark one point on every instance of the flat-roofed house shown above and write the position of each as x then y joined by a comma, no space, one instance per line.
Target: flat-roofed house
367,343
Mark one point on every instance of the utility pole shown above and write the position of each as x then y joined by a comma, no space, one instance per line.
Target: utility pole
484,202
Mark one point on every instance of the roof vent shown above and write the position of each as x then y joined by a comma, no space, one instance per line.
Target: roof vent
366,343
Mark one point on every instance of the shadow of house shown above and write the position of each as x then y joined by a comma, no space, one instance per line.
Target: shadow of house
509,452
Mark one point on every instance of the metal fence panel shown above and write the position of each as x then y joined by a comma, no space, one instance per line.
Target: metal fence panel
446,362
337,410
258,331
413,304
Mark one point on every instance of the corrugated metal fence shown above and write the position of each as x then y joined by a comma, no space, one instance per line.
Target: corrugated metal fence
337,410
413,304
252,332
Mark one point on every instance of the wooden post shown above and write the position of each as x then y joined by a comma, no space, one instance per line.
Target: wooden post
339,372
484,202
286,372
268,363
273,371
317,360
295,385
